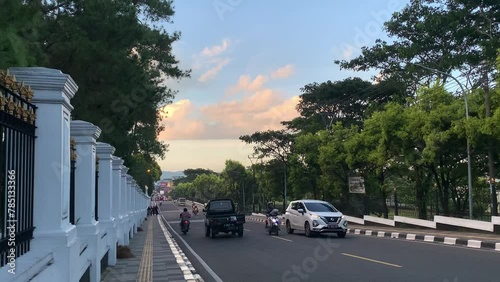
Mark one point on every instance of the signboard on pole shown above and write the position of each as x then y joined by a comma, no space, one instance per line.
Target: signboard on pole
356,185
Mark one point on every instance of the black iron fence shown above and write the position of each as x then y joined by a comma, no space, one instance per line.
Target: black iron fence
96,207
72,218
17,155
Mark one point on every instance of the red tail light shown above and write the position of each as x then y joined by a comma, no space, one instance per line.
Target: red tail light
185,222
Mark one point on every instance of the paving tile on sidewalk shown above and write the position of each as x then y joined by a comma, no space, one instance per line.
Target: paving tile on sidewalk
126,270
154,260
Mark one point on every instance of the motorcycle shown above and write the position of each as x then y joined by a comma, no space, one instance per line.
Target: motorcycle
185,226
273,224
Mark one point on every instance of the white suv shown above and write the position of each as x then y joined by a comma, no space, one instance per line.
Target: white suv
315,217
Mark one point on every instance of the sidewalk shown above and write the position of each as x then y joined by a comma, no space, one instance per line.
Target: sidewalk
157,258
470,239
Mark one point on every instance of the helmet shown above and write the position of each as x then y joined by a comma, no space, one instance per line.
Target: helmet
185,209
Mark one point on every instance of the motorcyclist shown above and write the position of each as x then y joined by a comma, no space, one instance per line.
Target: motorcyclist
269,212
185,214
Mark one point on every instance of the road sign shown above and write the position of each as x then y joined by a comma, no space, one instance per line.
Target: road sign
356,185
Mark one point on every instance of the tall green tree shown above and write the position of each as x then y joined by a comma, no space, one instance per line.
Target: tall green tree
119,56
20,26
447,35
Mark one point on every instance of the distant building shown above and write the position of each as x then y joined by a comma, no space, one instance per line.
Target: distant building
166,185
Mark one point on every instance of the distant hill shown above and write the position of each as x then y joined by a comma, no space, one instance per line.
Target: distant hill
170,174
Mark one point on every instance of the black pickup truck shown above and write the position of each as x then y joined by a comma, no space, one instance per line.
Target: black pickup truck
221,216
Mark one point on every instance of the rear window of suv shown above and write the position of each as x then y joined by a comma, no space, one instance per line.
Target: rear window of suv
220,206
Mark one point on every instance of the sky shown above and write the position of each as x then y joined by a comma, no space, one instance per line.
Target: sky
249,59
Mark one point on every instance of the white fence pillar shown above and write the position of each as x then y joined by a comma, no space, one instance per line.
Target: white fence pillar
124,213
85,135
132,205
105,192
129,212
117,198
53,232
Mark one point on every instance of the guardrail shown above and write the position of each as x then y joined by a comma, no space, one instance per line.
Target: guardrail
439,222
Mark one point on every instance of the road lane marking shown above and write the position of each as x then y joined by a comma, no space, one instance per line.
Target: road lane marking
282,238
184,264
202,262
191,221
372,260
248,230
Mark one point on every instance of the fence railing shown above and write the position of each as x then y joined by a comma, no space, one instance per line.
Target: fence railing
96,202
17,150
72,182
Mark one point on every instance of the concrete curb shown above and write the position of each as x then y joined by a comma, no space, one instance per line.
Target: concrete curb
476,244
260,220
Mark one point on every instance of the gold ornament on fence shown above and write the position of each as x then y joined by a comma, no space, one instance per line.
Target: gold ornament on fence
26,92
7,103
72,144
11,105
3,101
25,115
19,109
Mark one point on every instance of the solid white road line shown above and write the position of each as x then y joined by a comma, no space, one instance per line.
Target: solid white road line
202,262
183,262
372,260
282,238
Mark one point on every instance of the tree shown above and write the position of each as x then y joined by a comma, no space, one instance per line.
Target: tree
190,175
348,101
119,62
335,170
306,170
208,186
447,35
235,177
272,144
19,34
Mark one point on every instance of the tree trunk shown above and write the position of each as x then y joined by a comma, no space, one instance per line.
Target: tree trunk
421,203
491,164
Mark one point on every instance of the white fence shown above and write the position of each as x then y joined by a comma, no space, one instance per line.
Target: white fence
60,250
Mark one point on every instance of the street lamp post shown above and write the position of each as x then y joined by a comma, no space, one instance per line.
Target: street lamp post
284,192
469,170
254,184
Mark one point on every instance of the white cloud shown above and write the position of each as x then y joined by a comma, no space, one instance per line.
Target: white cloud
215,50
214,71
283,72
211,61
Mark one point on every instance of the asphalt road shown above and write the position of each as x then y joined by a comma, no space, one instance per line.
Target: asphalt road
258,256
